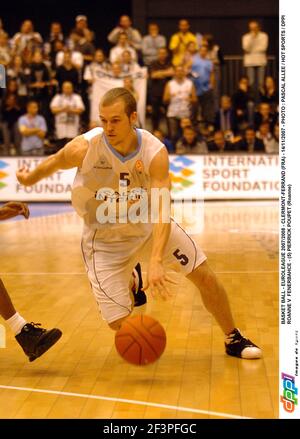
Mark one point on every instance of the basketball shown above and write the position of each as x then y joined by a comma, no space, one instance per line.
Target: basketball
141,340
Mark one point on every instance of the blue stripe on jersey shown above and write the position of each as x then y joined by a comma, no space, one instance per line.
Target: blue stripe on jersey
132,154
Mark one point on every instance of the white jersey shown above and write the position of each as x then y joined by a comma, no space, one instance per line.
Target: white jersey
66,124
180,93
103,167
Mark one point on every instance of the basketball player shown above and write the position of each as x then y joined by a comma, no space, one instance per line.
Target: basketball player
34,339
110,159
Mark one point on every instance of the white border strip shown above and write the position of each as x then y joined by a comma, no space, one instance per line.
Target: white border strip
126,401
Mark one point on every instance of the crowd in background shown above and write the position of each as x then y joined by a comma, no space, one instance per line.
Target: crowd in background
49,83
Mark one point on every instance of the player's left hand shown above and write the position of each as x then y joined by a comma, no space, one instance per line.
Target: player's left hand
156,280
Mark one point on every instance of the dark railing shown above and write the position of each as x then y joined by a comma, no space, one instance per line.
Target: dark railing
233,69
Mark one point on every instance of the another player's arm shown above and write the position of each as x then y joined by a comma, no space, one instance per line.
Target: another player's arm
12,209
71,156
159,175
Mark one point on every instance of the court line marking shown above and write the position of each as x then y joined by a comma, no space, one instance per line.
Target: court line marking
81,273
126,401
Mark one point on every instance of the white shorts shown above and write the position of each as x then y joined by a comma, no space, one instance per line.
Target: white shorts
109,265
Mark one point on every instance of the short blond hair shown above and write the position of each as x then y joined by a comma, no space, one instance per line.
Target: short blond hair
120,93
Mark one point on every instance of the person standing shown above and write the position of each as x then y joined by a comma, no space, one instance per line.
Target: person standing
125,26
180,41
152,43
33,130
67,108
180,96
255,45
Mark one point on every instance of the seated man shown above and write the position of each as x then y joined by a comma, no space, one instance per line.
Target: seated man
190,143
250,142
219,144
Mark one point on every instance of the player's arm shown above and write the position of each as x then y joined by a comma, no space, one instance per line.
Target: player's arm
159,175
70,156
12,209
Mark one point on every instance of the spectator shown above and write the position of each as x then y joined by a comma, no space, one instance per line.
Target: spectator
18,70
243,105
128,84
56,34
225,119
203,78
10,113
5,52
220,144
184,123
81,25
27,39
67,72
167,142
250,143
56,47
33,129
128,65
264,115
266,136
79,43
125,26
190,52
39,81
93,75
215,55
273,145
151,43
116,71
76,57
97,68
180,40
67,108
255,44
189,143
115,54
180,95
160,72
269,93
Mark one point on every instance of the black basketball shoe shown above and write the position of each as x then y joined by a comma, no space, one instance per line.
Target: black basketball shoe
140,297
239,346
35,341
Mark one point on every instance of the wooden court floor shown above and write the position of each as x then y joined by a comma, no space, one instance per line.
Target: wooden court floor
83,376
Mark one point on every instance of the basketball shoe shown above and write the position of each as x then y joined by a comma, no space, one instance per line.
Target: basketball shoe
140,297
35,340
239,346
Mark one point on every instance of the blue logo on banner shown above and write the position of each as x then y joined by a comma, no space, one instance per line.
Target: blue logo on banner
2,76
3,164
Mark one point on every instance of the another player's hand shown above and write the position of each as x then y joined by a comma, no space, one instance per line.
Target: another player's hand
23,175
14,208
156,280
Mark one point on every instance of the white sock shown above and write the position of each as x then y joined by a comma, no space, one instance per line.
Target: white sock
16,323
